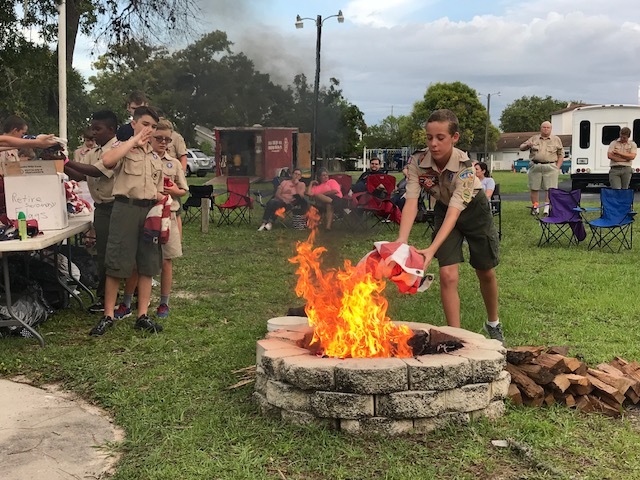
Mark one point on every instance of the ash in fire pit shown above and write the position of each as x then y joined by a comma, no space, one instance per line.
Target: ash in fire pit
383,395
421,343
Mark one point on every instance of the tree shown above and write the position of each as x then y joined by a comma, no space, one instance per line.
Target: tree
527,113
117,22
28,88
463,101
386,134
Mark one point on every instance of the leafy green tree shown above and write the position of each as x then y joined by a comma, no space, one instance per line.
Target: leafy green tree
527,113
115,22
461,100
29,88
386,134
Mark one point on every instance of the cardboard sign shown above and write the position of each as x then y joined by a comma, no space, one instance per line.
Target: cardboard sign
36,189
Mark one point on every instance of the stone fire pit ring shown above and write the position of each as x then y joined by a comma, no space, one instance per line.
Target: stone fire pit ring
390,396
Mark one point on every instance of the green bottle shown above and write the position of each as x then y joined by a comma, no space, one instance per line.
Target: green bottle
22,225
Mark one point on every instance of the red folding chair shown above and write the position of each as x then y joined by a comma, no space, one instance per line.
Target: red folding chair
376,201
238,205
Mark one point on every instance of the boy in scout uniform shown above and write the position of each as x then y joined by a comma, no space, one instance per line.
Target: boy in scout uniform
546,155
176,186
13,126
137,187
461,212
104,125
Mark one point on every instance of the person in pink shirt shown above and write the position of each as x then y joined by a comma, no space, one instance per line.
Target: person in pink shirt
326,192
290,194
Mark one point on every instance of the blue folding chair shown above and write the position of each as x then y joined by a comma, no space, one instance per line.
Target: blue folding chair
564,221
615,224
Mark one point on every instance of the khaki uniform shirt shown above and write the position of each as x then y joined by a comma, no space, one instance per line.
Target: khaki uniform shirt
177,147
172,169
101,188
545,150
628,147
138,174
79,154
456,185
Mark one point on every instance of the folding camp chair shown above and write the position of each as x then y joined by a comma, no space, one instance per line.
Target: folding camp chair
615,223
564,221
345,182
496,208
193,205
376,201
238,204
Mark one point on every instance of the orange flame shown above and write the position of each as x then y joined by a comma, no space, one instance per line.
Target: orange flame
280,212
345,306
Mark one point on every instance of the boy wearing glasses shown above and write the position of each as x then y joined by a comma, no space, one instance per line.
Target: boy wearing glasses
138,185
175,184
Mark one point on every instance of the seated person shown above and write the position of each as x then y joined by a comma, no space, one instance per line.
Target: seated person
398,195
290,194
374,167
488,183
327,194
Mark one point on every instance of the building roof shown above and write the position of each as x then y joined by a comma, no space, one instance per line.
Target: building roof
571,106
513,140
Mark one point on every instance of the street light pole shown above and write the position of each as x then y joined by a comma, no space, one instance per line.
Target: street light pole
316,86
486,128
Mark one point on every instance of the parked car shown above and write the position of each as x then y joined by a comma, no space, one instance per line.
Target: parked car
198,163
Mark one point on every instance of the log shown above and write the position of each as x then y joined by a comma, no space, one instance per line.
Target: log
539,374
559,349
603,407
569,400
520,355
549,399
527,386
514,394
622,384
555,363
605,389
560,383
611,370
580,385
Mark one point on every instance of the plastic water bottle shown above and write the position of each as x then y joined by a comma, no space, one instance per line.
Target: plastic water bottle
22,225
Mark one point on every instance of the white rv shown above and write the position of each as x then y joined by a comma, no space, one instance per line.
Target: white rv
594,128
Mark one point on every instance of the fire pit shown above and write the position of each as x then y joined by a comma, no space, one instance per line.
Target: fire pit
393,395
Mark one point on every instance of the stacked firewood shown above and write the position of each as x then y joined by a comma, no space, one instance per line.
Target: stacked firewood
544,376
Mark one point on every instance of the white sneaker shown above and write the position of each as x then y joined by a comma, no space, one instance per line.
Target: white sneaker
546,209
268,226
262,227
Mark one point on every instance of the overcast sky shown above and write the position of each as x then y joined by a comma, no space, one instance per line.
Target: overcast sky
387,52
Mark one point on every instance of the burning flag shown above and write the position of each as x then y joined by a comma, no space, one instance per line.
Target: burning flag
345,306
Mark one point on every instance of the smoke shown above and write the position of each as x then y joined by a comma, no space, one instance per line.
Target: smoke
282,56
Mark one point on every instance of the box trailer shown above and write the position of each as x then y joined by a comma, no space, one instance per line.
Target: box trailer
261,152
594,128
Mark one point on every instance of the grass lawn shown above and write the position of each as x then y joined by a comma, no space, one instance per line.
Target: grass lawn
168,391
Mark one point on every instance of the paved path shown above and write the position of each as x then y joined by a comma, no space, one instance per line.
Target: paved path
46,434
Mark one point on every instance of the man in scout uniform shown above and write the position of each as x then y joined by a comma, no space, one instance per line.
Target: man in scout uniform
546,155
100,181
461,212
622,153
137,187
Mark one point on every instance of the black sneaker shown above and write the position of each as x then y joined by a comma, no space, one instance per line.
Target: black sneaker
97,307
495,332
145,323
103,324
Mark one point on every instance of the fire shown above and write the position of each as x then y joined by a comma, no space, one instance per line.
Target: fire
346,307
280,212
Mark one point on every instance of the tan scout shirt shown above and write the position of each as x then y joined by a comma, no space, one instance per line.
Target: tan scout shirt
177,147
545,150
172,169
138,174
628,147
456,185
101,188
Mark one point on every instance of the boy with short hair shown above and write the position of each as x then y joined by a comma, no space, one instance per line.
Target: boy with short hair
88,144
461,212
175,184
137,188
135,100
13,126
100,181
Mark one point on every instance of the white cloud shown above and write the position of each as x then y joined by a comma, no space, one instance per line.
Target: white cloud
381,13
